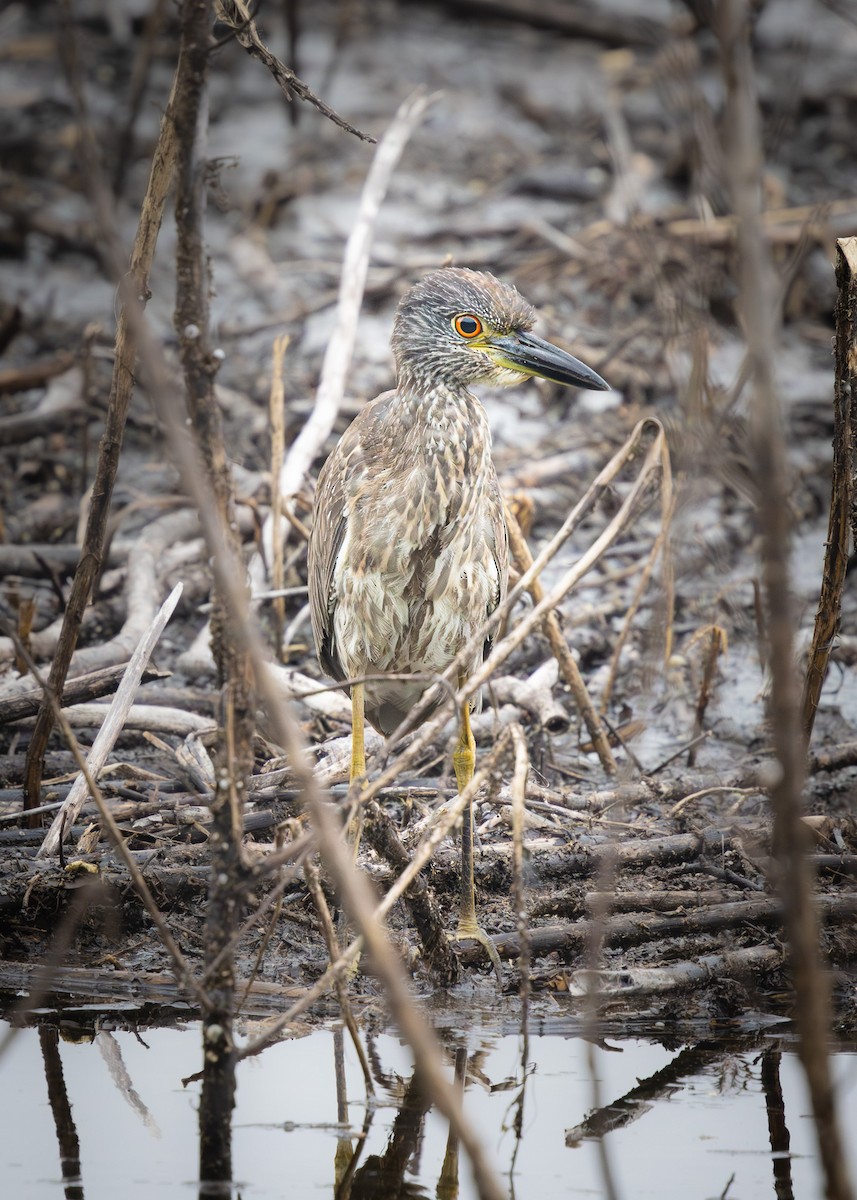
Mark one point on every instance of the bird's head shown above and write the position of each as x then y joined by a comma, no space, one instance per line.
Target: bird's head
458,327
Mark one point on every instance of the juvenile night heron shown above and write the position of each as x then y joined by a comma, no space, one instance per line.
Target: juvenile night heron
408,554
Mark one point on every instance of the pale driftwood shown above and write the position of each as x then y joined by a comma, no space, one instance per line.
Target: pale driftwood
330,701
486,723
113,723
156,718
337,359
535,695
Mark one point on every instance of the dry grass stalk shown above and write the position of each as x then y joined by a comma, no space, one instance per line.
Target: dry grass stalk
519,791
718,643
660,549
333,950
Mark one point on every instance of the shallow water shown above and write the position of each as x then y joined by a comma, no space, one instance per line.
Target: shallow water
703,1123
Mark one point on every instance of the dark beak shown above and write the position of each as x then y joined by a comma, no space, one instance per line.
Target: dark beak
531,354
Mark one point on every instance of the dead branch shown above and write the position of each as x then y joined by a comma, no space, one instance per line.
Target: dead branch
572,938
619,986
839,527
61,406
236,14
535,696
22,379
143,584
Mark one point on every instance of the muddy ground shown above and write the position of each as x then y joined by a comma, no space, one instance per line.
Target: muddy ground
588,171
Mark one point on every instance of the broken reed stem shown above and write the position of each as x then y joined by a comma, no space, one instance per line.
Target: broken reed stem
334,952
237,720
275,903
595,939
756,290
277,412
565,659
134,293
842,513
660,549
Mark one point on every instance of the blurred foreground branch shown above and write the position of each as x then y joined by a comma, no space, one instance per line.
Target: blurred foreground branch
757,291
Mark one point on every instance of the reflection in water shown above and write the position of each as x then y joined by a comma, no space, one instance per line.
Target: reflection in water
619,1113
777,1128
69,1143
447,1185
112,1055
661,1097
383,1175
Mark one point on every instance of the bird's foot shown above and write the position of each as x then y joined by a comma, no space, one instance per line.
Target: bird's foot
344,934
470,929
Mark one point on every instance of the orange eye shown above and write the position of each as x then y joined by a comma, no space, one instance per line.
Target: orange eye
467,325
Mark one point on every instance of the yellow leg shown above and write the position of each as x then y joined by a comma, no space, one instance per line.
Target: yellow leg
356,778
358,761
464,763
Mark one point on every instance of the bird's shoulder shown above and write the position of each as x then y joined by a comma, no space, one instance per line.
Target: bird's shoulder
366,438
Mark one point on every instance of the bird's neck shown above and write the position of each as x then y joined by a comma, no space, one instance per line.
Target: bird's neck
439,422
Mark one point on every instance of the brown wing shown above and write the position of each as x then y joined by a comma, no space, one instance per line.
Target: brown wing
338,481
500,550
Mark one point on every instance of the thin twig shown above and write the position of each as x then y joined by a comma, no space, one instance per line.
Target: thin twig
236,14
